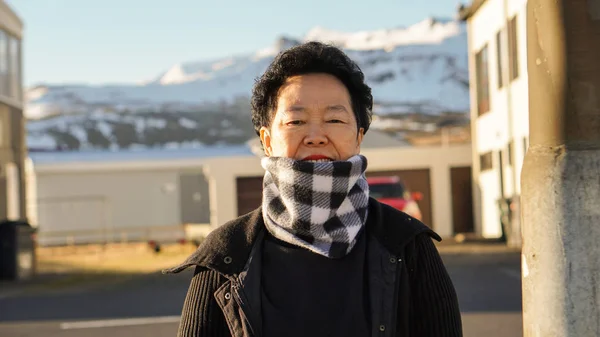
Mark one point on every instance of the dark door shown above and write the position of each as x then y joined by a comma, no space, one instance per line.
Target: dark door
249,194
462,200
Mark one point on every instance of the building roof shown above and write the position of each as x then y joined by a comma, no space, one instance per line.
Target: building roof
12,15
465,12
373,139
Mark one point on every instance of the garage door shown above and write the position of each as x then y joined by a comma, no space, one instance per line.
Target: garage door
249,190
462,200
415,181
249,194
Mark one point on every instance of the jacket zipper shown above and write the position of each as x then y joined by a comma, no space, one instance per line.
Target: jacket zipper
396,291
242,300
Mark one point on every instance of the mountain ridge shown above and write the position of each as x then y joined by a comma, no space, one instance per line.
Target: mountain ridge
422,68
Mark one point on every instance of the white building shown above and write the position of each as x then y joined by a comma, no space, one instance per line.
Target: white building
499,104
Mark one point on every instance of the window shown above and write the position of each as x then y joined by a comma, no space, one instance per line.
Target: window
500,57
16,123
5,127
513,58
3,63
486,161
510,152
483,90
14,67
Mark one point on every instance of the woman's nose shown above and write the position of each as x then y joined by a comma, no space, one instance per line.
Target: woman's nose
316,136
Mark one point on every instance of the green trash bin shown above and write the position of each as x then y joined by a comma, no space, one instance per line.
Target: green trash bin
17,251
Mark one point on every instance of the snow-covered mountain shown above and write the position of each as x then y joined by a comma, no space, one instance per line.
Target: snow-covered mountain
420,68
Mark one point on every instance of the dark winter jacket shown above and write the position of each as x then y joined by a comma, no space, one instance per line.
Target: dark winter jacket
420,300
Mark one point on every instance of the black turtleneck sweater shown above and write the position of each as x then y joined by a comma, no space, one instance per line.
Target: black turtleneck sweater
307,294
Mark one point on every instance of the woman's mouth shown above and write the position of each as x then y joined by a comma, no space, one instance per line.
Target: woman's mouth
317,159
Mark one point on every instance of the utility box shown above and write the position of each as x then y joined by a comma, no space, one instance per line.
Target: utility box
17,251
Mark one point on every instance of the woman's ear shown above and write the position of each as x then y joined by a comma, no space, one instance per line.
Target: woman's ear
359,138
265,138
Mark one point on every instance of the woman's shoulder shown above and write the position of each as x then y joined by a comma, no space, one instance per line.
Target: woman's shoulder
227,247
394,228
240,228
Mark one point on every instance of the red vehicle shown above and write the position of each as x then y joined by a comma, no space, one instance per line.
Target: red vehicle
392,191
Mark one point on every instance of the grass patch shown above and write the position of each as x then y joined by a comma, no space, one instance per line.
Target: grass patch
116,259
68,268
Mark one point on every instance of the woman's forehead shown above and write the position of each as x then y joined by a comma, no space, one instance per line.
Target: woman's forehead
324,90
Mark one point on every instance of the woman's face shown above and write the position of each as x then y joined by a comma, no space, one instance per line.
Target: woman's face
313,121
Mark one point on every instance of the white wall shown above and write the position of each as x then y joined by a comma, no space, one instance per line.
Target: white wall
222,173
495,129
521,93
31,210
109,200
13,195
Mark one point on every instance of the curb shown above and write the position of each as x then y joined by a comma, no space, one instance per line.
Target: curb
476,248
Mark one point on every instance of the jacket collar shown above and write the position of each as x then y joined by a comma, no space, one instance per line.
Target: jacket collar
394,229
228,247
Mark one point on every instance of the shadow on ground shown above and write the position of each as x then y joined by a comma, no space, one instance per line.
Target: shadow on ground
486,282
121,282
89,297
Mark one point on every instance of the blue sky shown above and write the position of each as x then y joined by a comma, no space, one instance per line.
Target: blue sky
125,41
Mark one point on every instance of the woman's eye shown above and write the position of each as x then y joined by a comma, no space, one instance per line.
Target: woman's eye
335,121
294,122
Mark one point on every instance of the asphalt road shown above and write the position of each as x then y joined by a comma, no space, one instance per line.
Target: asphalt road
488,286
489,292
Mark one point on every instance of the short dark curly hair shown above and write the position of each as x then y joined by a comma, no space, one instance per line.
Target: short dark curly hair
307,58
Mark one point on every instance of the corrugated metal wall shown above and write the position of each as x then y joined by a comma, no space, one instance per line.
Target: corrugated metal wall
116,205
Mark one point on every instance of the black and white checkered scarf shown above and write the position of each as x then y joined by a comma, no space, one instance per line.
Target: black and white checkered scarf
320,206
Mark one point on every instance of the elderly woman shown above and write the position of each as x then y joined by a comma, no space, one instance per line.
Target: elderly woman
319,257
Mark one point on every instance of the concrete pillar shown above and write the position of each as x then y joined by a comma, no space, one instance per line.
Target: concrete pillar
561,174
